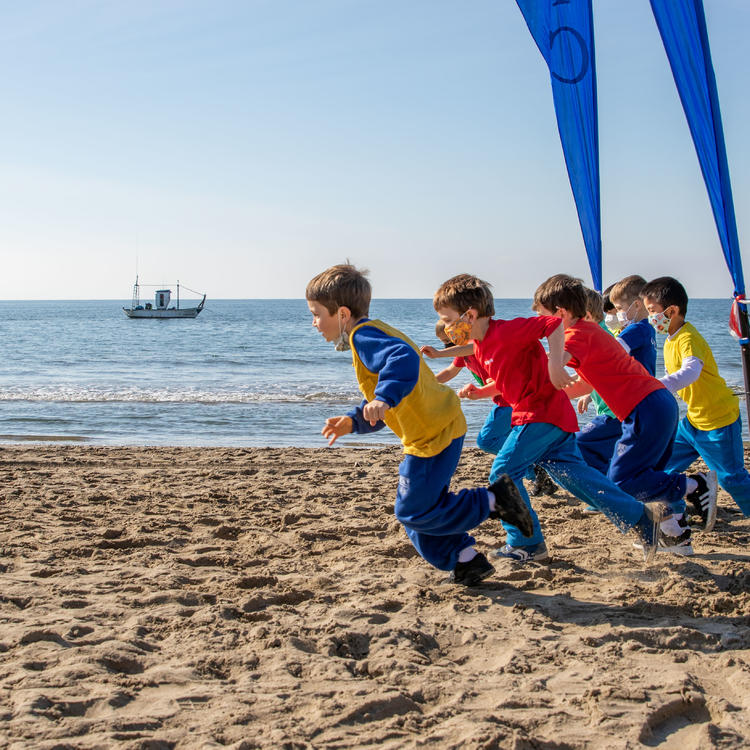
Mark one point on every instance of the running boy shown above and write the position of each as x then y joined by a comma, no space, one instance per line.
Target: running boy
543,419
598,438
497,425
401,391
647,410
712,427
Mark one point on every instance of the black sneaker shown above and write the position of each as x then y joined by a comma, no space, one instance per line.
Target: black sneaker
542,484
703,499
509,505
472,573
677,545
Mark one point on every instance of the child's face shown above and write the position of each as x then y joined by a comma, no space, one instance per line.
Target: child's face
449,317
330,326
653,307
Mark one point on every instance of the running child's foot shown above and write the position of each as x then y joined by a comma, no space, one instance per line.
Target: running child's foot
509,505
473,572
703,498
529,553
647,528
542,484
677,545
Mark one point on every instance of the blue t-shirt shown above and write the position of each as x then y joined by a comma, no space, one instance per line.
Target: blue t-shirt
640,338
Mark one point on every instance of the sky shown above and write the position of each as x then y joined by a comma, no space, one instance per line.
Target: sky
244,146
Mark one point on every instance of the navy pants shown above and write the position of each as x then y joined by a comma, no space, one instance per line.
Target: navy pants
597,440
436,520
641,455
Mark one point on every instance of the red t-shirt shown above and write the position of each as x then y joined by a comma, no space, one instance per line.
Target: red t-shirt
472,364
603,363
514,358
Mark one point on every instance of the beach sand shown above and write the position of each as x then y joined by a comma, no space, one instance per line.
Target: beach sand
267,598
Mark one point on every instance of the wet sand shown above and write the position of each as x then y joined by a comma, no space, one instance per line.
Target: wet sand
267,598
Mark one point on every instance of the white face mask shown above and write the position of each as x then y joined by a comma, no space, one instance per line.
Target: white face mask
623,316
612,322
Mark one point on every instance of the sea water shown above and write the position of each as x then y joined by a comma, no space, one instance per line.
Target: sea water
243,373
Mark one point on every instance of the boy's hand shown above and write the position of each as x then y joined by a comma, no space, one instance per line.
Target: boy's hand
374,411
335,427
559,375
469,391
583,404
429,351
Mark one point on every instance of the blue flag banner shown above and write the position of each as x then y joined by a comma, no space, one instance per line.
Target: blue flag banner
682,25
563,30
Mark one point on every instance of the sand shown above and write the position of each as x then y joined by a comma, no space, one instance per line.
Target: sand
267,598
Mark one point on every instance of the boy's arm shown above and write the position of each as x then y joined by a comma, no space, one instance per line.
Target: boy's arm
578,388
396,364
474,392
448,373
687,375
451,351
558,358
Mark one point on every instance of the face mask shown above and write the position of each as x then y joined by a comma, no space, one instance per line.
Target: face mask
660,322
623,317
459,331
341,344
612,322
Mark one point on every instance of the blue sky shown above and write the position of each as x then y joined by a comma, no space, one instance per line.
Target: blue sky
244,146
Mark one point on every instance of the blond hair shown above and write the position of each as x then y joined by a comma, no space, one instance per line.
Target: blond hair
628,289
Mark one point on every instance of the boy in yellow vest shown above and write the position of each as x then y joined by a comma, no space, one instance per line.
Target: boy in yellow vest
712,428
401,391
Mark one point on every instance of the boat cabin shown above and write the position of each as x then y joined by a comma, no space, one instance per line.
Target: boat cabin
161,299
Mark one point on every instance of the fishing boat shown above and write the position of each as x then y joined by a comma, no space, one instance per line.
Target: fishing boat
160,307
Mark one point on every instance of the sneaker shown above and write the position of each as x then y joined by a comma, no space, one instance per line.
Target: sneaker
509,505
647,529
542,484
677,545
473,572
703,499
530,553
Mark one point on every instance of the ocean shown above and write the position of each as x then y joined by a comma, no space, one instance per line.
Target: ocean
243,373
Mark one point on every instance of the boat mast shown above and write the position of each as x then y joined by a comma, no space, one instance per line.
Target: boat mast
136,294
178,295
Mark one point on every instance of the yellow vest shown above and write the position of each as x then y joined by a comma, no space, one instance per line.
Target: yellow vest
710,402
429,418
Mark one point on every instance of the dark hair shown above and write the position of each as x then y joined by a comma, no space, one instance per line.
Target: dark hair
607,305
463,292
667,291
563,291
341,286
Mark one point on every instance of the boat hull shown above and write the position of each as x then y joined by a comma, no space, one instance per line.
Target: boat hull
183,312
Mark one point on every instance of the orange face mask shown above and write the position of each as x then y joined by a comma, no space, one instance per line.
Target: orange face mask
459,331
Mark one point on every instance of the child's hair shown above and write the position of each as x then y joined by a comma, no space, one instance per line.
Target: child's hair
607,305
594,305
563,291
666,291
441,334
463,292
341,286
627,290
